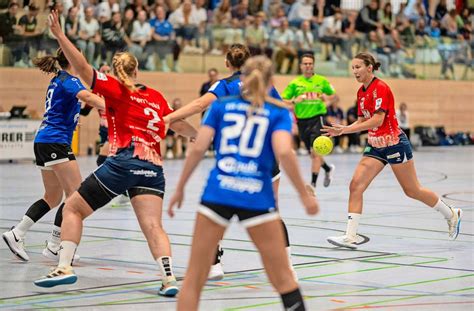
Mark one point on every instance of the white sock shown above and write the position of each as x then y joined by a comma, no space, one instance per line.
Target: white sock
166,267
55,239
352,225
66,253
24,225
444,209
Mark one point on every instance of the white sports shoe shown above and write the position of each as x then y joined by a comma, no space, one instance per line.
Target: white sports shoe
52,253
16,245
217,271
345,241
454,223
329,175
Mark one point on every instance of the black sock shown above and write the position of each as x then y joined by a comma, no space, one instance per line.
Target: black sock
101,159
38,210
293,300
314,178
285,231
325,167
59,216
219,253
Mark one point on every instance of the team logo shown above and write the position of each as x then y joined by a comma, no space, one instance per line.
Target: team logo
53,155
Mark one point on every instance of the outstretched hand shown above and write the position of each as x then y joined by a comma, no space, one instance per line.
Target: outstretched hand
333,130
176,199
53,22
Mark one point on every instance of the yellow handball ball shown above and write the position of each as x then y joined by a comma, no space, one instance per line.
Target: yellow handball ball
322,145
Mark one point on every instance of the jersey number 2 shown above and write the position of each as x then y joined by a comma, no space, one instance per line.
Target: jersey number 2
156,118
256,124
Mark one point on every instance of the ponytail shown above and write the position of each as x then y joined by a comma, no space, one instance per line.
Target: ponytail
124,64
52,64
368,60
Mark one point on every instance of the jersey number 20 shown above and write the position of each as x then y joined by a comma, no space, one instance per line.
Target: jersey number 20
256,124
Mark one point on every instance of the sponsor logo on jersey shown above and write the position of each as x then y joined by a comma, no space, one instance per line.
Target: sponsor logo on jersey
231,165
146,173
240,184
392,156
101,76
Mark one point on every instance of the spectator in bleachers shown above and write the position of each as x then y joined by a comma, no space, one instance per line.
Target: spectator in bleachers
72,25
300,11
113,37
68,4
415,10
435,30
222,20
9,33
201,18
89,35
105,9
449,26
255,6
283,41
256,37
277,18
380,51
140,38
304,40
185,24
404,119
128,20
350,35
29,32
405,31
387,20
441,10
163,38
240,11
163,4
369,18
331,34
137,6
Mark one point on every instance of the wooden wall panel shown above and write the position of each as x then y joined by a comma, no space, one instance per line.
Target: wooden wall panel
448,103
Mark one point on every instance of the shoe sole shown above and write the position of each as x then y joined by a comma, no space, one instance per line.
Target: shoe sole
169,292
350,246
216,277
458,225
51,283
12,250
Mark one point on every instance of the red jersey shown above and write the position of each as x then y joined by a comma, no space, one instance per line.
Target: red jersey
378,97
133,117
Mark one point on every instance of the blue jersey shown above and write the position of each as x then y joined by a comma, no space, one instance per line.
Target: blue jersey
231,87
242,177
61,111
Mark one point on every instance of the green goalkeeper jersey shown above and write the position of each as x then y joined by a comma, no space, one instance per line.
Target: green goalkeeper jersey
308,108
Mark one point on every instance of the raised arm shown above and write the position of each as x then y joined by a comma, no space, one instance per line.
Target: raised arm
196,106
73,55
91,99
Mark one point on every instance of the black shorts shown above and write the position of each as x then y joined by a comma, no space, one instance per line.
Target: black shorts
221,214
47,154
276,173
310,129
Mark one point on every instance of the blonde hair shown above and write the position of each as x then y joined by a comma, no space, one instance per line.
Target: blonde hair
123,65
257,77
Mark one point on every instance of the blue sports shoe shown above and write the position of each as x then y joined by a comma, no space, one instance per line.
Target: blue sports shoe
57,276
169,288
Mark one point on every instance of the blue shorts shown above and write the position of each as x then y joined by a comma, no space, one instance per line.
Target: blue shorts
124,172
396,154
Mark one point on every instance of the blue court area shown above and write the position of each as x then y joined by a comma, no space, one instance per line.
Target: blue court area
409,263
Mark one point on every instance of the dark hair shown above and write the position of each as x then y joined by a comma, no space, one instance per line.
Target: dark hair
12,4
368,60
48,63
237,55
307,55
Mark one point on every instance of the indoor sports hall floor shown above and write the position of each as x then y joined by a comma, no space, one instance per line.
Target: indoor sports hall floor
409,263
